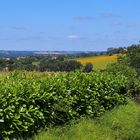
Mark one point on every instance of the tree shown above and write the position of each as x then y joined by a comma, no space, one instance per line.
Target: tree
72,65
3,64
132,58
59,65
88,67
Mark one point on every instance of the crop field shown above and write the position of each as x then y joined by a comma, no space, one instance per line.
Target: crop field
99,62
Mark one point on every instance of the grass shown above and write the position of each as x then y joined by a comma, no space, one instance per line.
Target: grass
3,74
99,62
122,123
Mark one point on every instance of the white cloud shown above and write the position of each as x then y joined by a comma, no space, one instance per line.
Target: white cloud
19,28
116,24
131,25
108,14
83,18
73,37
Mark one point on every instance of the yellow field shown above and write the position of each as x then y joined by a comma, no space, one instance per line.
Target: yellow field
99,62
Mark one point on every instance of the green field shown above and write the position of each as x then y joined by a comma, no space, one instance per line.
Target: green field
122,123
102,65
99,62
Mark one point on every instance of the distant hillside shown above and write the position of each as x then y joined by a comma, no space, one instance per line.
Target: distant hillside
9,54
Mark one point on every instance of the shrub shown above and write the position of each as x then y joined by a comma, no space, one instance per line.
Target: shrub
88,67
130,73
28,103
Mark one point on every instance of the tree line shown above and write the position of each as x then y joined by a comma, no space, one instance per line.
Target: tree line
43,63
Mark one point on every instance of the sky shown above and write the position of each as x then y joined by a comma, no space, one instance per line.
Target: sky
68,25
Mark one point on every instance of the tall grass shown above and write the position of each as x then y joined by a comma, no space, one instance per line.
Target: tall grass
122,123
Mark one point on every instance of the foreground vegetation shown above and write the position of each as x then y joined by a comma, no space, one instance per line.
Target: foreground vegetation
29,103
122,123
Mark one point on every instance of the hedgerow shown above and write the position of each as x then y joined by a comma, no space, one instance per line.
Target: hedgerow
29,103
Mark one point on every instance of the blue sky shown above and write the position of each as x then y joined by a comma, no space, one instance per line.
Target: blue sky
79,25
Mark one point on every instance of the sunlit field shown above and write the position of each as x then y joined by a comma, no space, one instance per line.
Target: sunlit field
99,62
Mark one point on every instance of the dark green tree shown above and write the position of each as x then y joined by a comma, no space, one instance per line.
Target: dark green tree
132,58
88,67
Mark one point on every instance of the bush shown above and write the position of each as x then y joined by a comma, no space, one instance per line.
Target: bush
88,67
28,103
120,68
